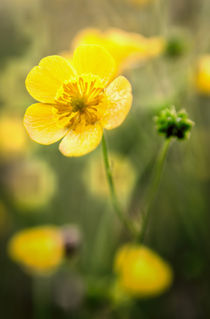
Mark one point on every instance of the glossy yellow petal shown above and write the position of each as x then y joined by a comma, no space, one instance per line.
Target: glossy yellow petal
94,59
117,103
44,80
42,124
82,140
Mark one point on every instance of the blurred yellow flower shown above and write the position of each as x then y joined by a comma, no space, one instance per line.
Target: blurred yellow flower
31,183
39,250
202,78
77,100
12,136
123,174
141,272
126,48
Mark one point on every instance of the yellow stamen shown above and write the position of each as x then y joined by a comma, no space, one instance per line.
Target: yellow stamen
77,100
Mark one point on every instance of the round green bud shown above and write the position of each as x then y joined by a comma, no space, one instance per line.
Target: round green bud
173,124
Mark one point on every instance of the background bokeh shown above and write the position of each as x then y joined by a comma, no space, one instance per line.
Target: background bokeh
39,186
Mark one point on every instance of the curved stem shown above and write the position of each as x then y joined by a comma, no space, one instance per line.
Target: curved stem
113,196
154,188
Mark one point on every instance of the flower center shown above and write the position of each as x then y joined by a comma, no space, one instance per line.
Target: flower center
80,92
78,100
78,104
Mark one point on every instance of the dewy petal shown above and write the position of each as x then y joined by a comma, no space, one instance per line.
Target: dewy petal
82,140
44,80
117,103
94,59
42,124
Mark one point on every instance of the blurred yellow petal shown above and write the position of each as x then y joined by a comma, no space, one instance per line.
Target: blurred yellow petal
40,249
42,124
155,46
95,60
82,140
12,136
88,36
202,78
141,272
44,80
118,103
127,48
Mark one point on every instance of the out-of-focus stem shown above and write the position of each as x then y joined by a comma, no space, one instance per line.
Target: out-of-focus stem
153,189
120,214
41,297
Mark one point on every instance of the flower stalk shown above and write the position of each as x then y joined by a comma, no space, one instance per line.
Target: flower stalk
153,189
41,297
113,196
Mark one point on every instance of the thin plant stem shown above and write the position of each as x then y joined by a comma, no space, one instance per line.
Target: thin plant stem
153,189
41,297
113,196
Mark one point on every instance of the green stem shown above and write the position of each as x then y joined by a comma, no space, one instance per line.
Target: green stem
126,222
41,297
154,188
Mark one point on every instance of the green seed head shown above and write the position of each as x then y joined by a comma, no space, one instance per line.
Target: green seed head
173,124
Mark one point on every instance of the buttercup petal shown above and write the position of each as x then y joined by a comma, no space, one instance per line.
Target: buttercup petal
42,124
118,103
82,140
94,59
44,80
88,36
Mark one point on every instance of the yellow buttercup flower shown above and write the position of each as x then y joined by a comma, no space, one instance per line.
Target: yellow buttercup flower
127,48
202,78
77,100
39,250
141,272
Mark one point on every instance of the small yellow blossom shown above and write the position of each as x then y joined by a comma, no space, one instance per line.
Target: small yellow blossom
76,99
39,250
123,174
12,136
141,272
30,183
127,48
202,78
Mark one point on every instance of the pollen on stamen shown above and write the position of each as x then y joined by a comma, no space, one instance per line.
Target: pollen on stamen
82,95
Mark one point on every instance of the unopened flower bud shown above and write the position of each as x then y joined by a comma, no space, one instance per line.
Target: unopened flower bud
174,124
176,46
